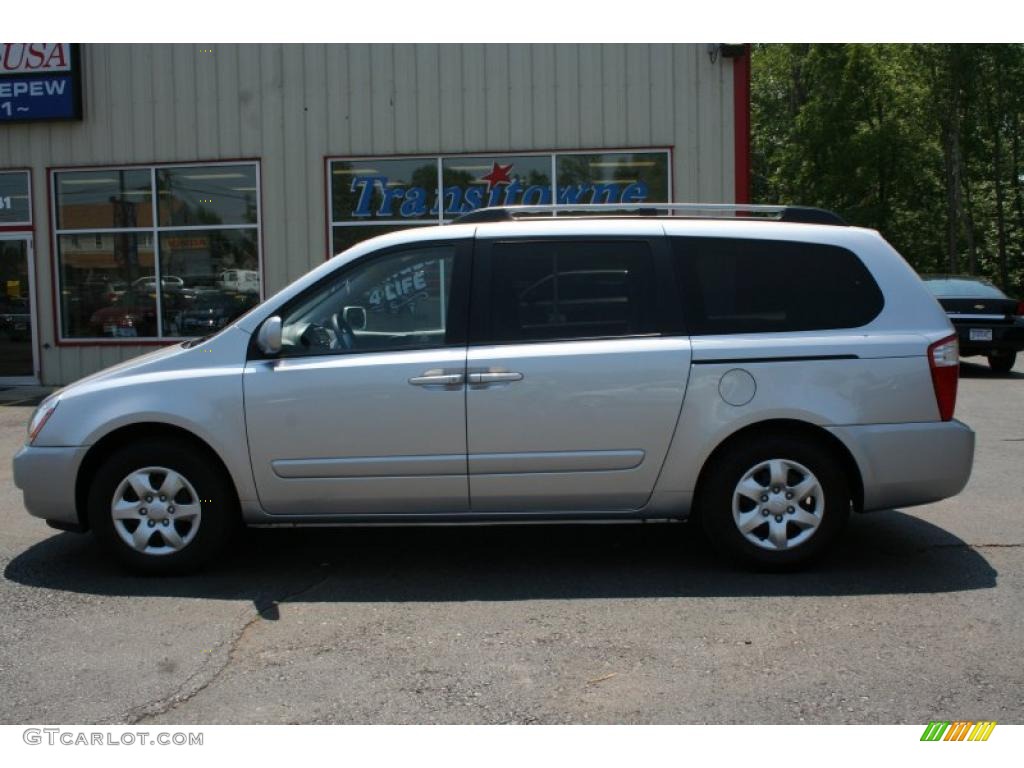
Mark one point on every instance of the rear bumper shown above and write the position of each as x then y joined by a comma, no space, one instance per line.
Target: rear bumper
1006,337
46,477
907,464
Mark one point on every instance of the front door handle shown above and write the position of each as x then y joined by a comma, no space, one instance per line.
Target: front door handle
437,378
494,377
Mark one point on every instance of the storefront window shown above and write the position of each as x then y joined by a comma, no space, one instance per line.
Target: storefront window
210,277
202,196
104,199
15,206
104,284
191,273
384,190
613,177
371,196
484,181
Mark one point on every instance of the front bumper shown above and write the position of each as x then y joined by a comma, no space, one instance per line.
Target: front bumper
907,464
46,477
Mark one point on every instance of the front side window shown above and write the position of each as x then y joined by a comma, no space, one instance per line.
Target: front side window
763,286
548,290
390,302
156,252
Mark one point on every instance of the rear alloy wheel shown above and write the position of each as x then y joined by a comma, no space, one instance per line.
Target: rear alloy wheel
778,505
775,502
161,507
1002,362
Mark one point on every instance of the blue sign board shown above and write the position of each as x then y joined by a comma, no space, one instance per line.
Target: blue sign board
40,95
37,98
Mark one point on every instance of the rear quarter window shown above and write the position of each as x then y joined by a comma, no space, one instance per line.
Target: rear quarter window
732,285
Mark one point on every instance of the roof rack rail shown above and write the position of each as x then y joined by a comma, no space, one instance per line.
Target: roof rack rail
788,213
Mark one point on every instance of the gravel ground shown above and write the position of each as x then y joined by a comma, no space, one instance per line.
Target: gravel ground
918,616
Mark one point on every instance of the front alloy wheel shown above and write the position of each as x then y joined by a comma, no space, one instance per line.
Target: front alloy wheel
156,511
162,505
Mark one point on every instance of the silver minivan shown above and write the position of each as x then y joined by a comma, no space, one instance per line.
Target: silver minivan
765,376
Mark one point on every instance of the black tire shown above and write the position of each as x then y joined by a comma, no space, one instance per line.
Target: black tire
219,517
715,501
1002,363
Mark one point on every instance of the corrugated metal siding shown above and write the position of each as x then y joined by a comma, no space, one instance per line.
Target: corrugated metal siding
291,105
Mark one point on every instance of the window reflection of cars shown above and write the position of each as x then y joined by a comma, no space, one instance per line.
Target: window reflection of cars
148,283
115,290
104,289
239,280
95,292
134,314
15,319
209,312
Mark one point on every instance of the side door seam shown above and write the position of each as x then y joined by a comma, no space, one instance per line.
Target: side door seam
664,256
470,291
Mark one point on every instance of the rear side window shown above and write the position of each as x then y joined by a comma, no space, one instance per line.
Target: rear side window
571,289
762,286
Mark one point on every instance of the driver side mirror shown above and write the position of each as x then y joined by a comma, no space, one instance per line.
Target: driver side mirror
355,317
269,337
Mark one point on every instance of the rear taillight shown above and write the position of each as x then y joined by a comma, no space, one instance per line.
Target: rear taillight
944,361
1020,308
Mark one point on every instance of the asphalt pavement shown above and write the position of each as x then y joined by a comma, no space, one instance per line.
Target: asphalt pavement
917,616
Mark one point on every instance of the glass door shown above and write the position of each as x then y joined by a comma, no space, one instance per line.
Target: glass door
17,326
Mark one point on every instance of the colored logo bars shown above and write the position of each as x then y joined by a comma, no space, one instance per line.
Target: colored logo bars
958,730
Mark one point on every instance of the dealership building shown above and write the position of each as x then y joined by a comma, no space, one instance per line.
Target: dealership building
153,192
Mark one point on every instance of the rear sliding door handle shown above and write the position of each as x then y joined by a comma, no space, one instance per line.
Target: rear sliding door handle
494,377
437,379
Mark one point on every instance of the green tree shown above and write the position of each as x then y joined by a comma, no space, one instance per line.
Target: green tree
922,142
